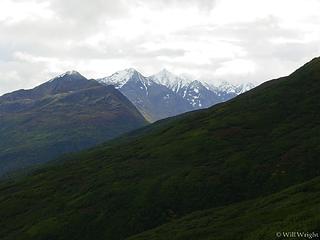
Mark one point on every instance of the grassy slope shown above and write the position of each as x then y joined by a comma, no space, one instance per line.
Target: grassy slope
293,210
257,144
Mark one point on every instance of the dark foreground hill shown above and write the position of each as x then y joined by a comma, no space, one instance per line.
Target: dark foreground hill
66,114
273,217
255,145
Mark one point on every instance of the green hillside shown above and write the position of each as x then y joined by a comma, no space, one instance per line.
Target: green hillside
293,210
259,143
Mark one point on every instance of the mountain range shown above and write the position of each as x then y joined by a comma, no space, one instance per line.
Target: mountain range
66,114
70,113
247,168
165,95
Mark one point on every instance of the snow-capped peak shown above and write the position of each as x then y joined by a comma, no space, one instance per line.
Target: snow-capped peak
178,84
72,72
124,75
68,74
168,79
120,78
228,87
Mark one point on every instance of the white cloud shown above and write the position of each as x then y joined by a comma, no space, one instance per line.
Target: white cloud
17,11
216,40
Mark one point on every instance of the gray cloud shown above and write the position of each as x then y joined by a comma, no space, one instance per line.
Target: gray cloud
258,40
88,12
205,5
98,37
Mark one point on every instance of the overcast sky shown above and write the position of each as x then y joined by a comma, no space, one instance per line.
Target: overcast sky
232,40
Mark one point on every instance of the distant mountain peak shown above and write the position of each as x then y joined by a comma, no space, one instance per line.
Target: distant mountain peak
165,94
130,70
69,75
120,78
127,73
165,71
66,82
170,80
229,87
72,72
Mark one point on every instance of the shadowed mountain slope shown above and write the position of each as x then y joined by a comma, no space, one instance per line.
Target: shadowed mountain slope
66,114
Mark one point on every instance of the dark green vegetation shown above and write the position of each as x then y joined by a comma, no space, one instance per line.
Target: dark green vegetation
66,114
294,209
258,144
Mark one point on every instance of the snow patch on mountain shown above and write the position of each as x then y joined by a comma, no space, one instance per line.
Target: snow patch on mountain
67,74
171,81
228,87
118,79
170,94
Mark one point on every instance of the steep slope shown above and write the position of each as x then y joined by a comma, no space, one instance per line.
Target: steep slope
273,217
256,144
154,100
65,114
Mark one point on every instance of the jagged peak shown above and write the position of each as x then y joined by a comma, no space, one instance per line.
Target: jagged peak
229,87
170,80
71,73
119,78
131,70
164,71
126,73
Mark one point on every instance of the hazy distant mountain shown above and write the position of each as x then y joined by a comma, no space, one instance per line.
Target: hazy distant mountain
65,114
199,95
165,94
